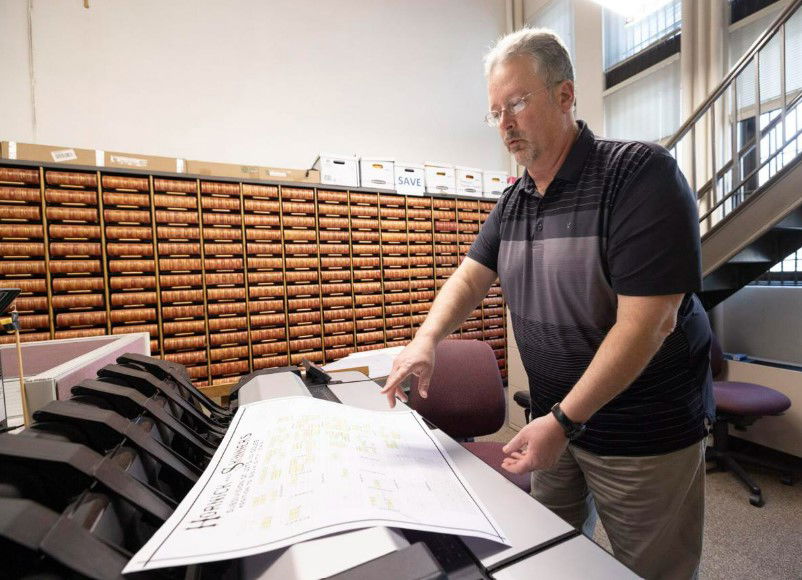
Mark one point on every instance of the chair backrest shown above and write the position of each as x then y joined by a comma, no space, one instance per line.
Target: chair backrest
466,395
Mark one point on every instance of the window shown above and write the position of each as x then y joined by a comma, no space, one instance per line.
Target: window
642,71
557,15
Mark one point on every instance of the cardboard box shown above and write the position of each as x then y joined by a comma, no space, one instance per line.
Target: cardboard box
47,153
377,172
494,183
284,174
410,178
338,169
469,181
136,161
224,170
440,178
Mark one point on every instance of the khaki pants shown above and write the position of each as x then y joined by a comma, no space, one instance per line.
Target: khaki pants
652,507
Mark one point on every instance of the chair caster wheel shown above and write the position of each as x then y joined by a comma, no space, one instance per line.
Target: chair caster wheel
787,479
756,500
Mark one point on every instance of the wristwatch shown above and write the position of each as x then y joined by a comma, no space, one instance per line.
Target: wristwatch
572,430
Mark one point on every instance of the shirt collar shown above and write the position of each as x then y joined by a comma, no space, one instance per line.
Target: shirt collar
571,169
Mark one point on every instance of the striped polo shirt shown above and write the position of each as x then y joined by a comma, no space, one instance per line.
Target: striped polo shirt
618,219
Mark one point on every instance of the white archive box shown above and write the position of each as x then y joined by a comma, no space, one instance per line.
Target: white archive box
410,178
469,181
440,178
377,172
495,182
338,169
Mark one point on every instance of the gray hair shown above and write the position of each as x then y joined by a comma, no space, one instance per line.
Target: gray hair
542,45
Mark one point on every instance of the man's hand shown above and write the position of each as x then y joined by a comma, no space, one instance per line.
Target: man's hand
536,446
416,359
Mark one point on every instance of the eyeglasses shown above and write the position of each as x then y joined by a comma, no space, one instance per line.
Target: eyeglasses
514,107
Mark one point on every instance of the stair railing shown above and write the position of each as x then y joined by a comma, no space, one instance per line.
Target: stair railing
735,142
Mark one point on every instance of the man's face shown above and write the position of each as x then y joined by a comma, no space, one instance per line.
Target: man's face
529,132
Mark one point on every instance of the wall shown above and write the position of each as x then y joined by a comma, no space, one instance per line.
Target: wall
763,322
270,83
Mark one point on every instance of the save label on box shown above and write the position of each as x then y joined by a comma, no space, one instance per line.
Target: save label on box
410,178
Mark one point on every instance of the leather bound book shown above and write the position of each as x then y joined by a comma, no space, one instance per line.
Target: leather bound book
128,283
336,301
120,216
265,234
275,249
133,315
332,236
26,284
186,358
176,185
369,198
272,263
364,211
175,280
118,182
75,214
176,217
268,348
306,343
365,337
268,320
362,313
297,193
252,189
219,187
184,327
219,249
132,298
178,248
332,196
184,342
123,232
70,178
225,293
135,199
161,200
224,277
179,264
270,362
294,276
229,338
76,266
365,236
268,334
303,317
338,314
65,301
68,319
226,308
187,311
315,357
19,194
128,249
369,324
166,233
278,277
334,210
228,352
230,368
20,213
227,323
266,291
222,219
261,205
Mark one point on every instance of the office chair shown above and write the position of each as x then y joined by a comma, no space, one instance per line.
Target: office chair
741,404
466,400
738,404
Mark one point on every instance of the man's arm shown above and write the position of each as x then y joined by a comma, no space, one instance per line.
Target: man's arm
466,288
642,324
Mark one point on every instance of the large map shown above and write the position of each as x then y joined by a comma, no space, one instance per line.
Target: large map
298,468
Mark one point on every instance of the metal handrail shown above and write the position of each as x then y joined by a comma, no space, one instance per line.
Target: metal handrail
739,67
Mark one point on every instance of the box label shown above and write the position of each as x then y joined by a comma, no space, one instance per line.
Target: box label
63,155
130,161
409,181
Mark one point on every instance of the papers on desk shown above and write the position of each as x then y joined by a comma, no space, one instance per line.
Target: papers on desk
298,468
379,362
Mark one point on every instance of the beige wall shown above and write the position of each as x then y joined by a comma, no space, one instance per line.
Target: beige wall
271,83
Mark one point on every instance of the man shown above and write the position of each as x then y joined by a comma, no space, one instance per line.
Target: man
598,253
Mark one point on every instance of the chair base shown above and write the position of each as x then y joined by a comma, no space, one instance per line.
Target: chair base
728,460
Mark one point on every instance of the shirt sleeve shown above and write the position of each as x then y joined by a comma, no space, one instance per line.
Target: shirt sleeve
485,246
653,245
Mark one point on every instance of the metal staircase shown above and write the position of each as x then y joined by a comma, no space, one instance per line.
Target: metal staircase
742,153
